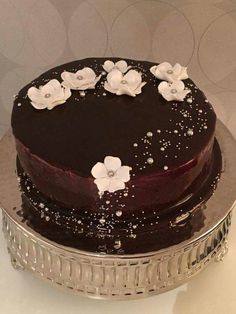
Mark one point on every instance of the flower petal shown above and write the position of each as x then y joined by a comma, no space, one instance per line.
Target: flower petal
67,93
133,79
38,105
123,173
112,163
52,87
138,90
87,74
102,184
164,67
121,65
182,94
34,94
115,185
108,87
108,65
99,170
124,89
163,86
153,70
178,85
69,79
114,78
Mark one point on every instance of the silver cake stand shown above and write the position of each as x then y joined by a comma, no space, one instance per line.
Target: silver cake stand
124,276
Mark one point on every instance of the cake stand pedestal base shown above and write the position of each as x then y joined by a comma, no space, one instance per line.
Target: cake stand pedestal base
106,276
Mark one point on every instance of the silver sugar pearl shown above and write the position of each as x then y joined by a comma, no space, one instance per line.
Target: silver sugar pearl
102,220
135,145
149,134
190,132
119,213
117,244
150,160
111,173
158,131
165,167
47,218
175,131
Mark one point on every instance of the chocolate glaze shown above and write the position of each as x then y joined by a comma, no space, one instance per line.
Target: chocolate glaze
78,134
133,233
58,148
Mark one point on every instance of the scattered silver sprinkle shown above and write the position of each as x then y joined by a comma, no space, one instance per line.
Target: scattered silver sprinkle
82,93
149,134
46,209
47,218
125,194
107,202
104,73
190,132
19,104
176,131
135,145
162,148
150,160
41,205
79,222
117,244
104,94
200,110
205,127
134,226
165,167
158,131
190,100
102,220
119,213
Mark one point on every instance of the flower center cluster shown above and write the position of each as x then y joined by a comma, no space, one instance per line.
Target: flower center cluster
79,77
111,173
174,91
170,72
124,82
47,95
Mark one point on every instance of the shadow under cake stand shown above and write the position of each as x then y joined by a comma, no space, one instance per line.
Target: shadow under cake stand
105,276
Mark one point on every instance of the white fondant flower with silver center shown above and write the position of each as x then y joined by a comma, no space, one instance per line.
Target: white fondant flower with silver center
166,72
121,65
81,80
129,84
173,91
49,95
110,176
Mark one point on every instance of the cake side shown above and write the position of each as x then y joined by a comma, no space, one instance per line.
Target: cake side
166,143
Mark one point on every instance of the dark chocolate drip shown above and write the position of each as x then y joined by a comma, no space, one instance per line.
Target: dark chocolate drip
134,233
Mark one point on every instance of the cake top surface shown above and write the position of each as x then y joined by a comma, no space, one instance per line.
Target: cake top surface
147,132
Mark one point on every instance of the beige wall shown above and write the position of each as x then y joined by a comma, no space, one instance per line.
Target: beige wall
38,34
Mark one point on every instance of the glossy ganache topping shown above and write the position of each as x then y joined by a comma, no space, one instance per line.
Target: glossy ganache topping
98,126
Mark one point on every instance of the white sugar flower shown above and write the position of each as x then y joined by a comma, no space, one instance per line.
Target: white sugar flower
121,65
110,176
173,91
130,84
81,80
49,95
166,72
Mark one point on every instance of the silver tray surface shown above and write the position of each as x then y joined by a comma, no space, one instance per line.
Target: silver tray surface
125,276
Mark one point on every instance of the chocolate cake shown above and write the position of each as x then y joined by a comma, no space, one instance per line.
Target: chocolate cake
114,152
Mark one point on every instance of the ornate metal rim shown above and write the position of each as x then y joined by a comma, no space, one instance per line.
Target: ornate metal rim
124,276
